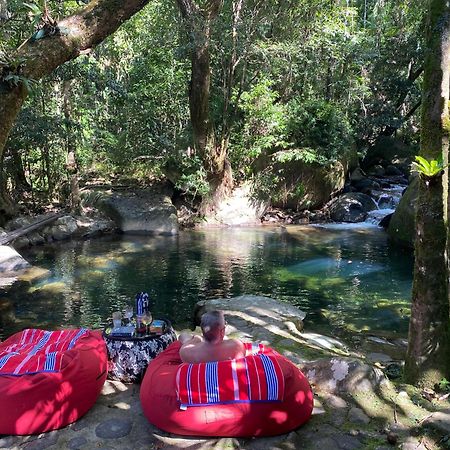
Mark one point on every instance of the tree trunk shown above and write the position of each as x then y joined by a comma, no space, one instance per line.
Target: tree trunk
75,34
17,174
428,355
213,152
71,149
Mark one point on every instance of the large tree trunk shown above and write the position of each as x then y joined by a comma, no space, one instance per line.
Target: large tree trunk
212,151
75,34
428,355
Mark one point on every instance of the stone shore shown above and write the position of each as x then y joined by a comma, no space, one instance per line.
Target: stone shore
356,405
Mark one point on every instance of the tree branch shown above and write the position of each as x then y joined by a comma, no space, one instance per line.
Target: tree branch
76,34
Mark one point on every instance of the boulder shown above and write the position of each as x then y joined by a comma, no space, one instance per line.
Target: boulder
387,149
393,170
376,170
339,375
11,261
402,225
90,227
62,228
307,186
352,207
385,221
141,211
357,175
366,183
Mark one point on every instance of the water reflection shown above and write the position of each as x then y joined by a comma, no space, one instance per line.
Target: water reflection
345,279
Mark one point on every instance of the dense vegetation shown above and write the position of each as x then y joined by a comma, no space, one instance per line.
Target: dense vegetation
309,81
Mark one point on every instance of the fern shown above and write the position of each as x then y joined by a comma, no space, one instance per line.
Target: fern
428,169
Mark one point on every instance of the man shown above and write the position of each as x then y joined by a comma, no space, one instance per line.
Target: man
213,346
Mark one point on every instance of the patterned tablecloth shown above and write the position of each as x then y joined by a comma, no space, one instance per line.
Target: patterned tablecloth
129,358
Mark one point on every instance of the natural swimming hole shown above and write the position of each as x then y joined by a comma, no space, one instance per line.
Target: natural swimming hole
348,279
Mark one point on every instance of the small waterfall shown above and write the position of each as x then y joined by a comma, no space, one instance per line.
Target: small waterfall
387,200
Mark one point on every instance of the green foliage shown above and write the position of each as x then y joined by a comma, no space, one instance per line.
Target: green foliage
291,84
263,124
428,169
444,385
321,129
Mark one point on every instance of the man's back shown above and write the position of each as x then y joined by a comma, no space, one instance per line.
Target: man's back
196,350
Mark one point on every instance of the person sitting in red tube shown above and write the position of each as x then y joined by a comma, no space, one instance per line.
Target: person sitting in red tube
213,346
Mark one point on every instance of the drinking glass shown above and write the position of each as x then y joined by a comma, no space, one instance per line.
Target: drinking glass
117,319
146,318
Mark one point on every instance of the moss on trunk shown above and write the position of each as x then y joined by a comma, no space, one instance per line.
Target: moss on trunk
428,355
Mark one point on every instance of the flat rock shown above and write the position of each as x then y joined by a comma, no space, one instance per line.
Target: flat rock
325,342
77,442
7,441
379,357
357,415
113,428
346,442
343,375
11,260
440,420
43,442
334,401
412,444
141,211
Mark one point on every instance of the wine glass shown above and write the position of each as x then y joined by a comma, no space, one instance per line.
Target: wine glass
146,319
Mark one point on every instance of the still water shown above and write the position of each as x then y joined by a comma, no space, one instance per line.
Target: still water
348,279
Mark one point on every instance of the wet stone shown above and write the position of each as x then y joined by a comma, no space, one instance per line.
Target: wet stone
79,425
412,444
334,401
7,441
337,418
357,415
379,357
42,443
113,428
326,443
346,442
76,443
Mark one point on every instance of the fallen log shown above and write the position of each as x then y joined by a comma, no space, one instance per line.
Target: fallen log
29,228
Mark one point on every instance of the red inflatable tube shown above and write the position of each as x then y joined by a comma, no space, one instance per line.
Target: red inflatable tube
162,409
39,402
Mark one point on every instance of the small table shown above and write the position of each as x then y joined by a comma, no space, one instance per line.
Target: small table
129,357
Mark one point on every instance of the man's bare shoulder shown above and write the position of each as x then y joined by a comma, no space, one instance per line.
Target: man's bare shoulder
237,346
190,349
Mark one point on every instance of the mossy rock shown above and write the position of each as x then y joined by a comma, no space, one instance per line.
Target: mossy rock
307,186
402,226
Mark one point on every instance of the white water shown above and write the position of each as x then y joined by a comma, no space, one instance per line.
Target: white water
387,200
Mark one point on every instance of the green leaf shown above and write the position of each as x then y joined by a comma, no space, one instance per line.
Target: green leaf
427,168
33,8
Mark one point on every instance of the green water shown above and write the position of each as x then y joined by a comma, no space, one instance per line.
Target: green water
347,280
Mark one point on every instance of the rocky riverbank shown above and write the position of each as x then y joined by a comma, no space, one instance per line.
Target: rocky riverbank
357,406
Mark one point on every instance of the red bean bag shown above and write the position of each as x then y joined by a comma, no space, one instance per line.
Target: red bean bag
168,401
49,379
